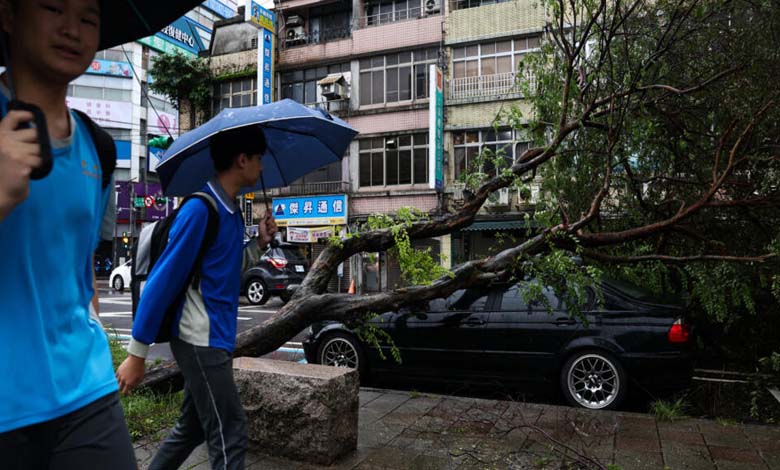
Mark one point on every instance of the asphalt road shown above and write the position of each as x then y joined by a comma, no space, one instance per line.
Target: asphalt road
116,315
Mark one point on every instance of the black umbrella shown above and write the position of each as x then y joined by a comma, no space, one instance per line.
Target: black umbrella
121,21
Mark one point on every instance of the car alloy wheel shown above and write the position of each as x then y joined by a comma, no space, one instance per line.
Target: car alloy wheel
119,283
594,381
339,352
256,293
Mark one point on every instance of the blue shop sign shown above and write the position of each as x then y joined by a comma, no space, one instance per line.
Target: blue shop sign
310,210
184,34
219,8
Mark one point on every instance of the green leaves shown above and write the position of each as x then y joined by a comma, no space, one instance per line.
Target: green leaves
182,78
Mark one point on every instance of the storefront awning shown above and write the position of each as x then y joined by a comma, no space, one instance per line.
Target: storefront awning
495,225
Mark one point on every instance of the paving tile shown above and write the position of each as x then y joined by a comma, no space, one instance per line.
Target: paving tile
771,459
419,405
377,434
679,425
729,465
635,444
748,456
367,396
388,402
670,438
687,457
274,463
388,459
432,462
725,436
638,460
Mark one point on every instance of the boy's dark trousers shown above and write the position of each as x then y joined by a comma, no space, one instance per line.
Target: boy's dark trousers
93,437
211,411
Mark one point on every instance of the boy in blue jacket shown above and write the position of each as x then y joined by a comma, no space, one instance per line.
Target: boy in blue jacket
59,406
204,333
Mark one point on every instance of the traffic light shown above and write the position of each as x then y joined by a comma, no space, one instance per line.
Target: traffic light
125,240
161,142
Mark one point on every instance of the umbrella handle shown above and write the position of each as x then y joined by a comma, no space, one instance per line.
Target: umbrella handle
262,185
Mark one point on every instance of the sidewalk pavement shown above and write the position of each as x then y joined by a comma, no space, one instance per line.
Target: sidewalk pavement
402,430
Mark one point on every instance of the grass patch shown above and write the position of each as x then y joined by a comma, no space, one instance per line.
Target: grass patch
668,410
146,412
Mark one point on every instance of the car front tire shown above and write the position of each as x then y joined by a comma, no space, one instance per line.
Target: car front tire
256,292
342,350
118,283
594,380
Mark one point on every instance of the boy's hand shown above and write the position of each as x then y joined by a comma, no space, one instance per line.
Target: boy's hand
19,155
266,229
130,373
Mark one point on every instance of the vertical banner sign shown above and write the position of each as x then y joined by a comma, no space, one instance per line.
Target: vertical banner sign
435,128
265,21
248,215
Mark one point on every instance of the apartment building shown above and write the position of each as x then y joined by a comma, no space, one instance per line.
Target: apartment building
115,93
369,62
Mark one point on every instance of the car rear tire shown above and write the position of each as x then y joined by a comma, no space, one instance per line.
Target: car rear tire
594,380
118,283
256,292
342,350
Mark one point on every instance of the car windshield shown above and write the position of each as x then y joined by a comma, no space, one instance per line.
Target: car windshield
292,254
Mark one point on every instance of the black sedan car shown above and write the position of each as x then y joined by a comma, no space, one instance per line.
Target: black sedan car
279,270
478,335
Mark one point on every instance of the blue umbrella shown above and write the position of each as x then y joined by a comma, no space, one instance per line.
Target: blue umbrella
300,140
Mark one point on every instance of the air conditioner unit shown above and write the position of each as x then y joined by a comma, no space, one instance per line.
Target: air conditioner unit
498,198
432,7
294,35
293,20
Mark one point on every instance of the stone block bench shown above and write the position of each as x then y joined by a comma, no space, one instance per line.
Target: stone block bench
304,412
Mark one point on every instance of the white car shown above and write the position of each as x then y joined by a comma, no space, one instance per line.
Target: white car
121,275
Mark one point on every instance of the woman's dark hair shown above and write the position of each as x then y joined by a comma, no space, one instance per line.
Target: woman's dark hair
227,145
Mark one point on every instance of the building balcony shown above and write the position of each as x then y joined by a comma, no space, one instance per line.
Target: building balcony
295,38
305,189
471,20
380,19
486,87
376,39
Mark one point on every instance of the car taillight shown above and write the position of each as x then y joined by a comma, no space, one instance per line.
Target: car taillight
278,263
679,332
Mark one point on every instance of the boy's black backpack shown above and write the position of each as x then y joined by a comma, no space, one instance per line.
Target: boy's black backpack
104,146
151,243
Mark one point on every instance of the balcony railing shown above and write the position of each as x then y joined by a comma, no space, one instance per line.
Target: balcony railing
290,39
485,86
463,4
325,187
380,19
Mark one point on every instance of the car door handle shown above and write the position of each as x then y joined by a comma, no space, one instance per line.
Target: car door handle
474,322
565,321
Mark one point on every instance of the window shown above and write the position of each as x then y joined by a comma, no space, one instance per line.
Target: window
389,161
98,93
118,134
380,12
461,4
162,106
512,301
235,94
473,300
301,85
480,60
396,77
116,55
468,145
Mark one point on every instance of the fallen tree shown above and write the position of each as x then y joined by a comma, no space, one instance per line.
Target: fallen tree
656,150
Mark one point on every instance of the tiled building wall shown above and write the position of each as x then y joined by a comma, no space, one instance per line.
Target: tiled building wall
480,115
235,62
402,35
387,205
488,21
390,122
